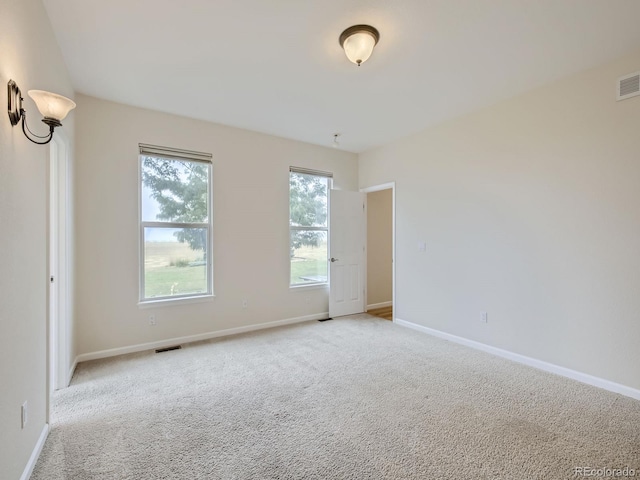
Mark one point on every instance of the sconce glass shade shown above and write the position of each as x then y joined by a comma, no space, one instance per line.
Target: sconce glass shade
52,105
358,42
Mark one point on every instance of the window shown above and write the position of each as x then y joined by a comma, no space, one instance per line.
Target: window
175,224
308,225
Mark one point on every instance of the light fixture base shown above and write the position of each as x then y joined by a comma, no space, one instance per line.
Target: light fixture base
14,102
358,29
52,122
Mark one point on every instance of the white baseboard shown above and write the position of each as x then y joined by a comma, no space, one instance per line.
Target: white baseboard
37,450
379,305
72,370
195,338
532,362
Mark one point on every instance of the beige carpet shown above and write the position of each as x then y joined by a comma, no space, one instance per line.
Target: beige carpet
352,398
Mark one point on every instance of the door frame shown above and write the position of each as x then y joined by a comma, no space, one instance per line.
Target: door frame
377,188
58,237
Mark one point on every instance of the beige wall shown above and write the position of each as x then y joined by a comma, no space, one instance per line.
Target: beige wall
530,211
379,246
30,56
250,216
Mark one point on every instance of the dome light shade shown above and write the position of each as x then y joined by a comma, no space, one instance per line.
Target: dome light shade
52,105
358,42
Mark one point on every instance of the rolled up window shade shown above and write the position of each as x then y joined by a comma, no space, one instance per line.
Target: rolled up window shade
179,154
308,171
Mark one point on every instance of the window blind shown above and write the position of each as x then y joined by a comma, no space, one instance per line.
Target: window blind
308,171
158,151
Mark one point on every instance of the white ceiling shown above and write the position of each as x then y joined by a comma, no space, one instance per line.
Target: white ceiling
275,66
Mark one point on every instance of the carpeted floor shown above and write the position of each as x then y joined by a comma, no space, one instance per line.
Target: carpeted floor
352,398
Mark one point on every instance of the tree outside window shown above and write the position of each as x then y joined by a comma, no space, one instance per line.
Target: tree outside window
175,228
308,227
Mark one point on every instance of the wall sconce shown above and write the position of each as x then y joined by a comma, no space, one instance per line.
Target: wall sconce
358,42
54,108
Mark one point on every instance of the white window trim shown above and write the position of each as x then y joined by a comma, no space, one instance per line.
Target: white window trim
183,155
176,301
329,177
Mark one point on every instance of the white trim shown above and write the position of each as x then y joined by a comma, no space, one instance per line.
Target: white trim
35,454
377,188
172,302
72,370
196,338
142,224
309,286
531,362
379,305
329,178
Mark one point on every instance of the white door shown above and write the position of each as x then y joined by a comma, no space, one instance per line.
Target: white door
54,364
346,253
59,343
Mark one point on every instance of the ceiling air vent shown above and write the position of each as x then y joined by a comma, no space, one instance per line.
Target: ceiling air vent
629,86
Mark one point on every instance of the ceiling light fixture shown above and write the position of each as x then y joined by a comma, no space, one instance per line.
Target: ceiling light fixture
358,42
53,107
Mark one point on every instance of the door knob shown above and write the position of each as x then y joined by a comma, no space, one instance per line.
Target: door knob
333,259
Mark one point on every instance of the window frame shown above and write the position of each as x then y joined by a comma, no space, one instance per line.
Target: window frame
182,156
329,177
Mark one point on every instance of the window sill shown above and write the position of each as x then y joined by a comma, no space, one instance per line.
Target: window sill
171,302
311,286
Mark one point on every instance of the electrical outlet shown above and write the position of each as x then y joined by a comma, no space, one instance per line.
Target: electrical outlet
483,317
245,303
24,417
152,320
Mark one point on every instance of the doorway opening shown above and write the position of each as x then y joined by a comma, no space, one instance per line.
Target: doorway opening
380,237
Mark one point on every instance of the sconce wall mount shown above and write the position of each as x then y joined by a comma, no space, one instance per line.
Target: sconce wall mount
15,102
54,108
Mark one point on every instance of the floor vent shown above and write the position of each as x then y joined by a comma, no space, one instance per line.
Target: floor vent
168,349
628,86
